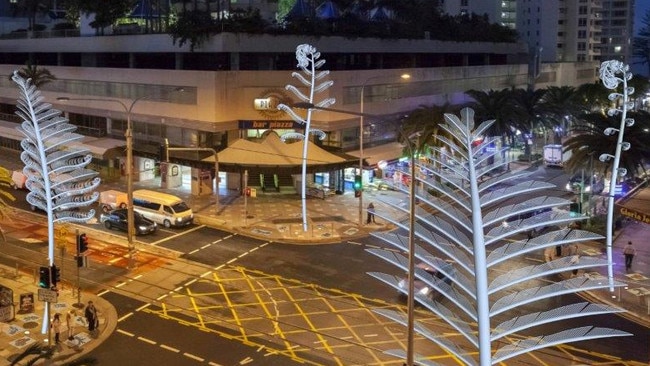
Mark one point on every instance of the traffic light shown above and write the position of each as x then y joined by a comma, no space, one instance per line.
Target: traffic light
575,209
44,277
357,193
55,274
357,183
82,243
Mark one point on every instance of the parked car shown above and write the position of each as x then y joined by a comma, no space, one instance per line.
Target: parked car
118,219
421,287
575,183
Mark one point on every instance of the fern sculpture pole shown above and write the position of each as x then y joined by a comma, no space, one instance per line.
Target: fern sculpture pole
467,231
608,71
57,178
308,60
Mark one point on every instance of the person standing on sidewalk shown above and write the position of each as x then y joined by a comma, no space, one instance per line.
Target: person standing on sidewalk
629,253
371,213
56,327
91,316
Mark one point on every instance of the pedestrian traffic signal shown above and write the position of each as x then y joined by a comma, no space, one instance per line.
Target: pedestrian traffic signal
82,243
575,209
357,183
357,193
44,277
55,274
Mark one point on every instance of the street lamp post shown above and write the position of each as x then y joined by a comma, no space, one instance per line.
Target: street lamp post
128,134
361,120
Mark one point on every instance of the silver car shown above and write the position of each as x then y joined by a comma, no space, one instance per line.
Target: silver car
420,286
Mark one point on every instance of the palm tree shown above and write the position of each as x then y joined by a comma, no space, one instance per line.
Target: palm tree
561,104
5,184
589,138
593,97
39,75
531,111
497,105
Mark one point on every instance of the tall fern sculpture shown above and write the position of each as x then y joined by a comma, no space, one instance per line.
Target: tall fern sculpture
57,178
309,61
465,229
608,74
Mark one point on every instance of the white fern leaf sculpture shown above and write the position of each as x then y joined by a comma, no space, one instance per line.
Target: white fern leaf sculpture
308,60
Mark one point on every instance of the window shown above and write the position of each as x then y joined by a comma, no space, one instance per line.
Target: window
582,34
582,22
582,10
464,2
582,58
582,46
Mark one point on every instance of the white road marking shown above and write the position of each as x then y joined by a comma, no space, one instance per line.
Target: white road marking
169,348
147,340
124,317
126,333
193,357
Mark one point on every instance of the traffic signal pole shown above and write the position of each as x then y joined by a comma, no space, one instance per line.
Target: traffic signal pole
78,242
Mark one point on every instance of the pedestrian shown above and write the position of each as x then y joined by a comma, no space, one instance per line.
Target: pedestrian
629,253
68,322
91,316
371,213
56,327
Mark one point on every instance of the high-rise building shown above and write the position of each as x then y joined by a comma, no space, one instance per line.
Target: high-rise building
502,12
617,30
561,30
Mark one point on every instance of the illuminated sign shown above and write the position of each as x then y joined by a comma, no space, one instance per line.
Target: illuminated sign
269,125
267,103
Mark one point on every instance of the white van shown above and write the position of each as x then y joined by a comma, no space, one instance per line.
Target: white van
162,208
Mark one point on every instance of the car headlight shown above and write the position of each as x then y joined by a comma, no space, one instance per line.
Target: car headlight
425,291
142,227
179,219
587,188
569,187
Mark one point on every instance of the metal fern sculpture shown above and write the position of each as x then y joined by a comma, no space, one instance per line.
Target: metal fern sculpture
308,61
470,232
57,178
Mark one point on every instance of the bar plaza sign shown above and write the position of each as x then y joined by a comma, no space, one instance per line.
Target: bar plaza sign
269,125
634,215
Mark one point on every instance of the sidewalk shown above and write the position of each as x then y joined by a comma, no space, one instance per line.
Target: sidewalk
25,329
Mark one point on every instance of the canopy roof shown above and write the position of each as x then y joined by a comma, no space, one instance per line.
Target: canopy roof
272,152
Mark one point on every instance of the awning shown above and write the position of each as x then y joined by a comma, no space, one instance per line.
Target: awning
101,148
273,153
387,152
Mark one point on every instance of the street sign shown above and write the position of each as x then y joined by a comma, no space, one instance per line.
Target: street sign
47,295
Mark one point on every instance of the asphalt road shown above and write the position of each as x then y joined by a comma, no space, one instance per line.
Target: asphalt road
229,300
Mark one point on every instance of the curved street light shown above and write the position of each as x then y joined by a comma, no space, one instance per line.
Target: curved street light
361,115
128,134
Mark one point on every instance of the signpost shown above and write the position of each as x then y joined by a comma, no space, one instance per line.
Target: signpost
47,295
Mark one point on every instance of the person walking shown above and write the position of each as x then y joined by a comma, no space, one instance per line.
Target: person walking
56,327
629,253
371,213
91,316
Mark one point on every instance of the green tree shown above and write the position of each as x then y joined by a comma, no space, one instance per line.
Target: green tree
641,42
497,105
39,75
561,106
106,12
588,137
30,9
